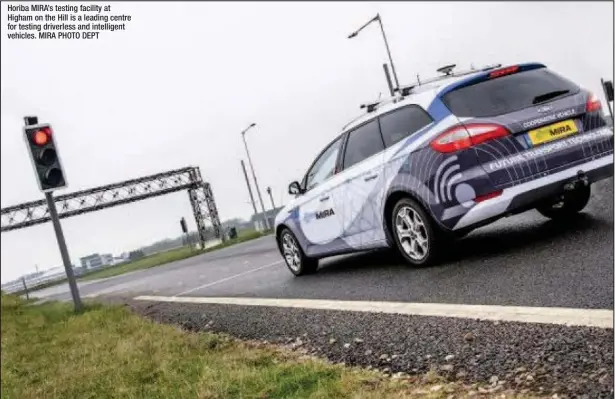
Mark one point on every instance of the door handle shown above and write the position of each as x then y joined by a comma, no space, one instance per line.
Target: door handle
372,177
323,199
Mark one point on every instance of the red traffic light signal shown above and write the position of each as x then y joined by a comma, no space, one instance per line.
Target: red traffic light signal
42,137
44,156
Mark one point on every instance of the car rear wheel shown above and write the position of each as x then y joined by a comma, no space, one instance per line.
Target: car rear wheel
566,205
297,262
415,236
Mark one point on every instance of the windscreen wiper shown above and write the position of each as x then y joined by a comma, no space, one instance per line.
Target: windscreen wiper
548,96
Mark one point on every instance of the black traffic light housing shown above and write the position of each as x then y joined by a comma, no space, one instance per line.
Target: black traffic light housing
182,222
608,90
45,157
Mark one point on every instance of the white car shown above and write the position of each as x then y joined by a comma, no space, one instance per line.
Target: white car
444,157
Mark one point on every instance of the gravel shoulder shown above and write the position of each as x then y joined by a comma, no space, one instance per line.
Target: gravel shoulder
528,358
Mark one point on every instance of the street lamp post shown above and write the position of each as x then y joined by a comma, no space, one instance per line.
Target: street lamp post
258,191
245,175
386,43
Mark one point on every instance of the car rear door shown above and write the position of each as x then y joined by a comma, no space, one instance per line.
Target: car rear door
361,193
527,122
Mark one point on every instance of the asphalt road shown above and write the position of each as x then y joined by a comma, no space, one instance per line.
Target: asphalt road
525,260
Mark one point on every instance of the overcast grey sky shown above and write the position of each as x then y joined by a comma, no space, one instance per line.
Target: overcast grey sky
180,84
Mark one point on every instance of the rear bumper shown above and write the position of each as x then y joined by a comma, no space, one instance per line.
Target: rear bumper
547,159
523,195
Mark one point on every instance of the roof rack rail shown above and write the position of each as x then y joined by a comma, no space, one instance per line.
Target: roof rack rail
447,72
371,107
352,121
404,91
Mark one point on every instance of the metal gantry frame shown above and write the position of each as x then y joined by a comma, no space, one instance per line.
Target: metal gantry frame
94,199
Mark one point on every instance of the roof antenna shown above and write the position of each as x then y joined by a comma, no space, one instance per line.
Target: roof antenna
447,70
418,79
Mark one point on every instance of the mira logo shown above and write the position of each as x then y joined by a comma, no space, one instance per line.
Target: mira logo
325,214
309,216
560,130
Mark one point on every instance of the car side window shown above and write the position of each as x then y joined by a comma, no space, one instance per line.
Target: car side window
363,142
403,122
324,167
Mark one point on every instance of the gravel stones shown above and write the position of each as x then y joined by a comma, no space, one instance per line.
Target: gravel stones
540,358
469,337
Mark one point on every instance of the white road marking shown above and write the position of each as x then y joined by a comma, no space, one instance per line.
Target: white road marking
127,286
227,278
602,318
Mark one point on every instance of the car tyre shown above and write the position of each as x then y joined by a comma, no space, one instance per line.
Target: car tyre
415,236
296,260
567,205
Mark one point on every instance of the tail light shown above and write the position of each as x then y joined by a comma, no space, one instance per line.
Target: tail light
504,71
485,197
461,137
593,103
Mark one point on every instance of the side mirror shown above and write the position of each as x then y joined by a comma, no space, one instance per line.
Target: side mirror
294,188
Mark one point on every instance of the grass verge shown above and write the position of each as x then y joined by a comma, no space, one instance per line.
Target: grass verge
108,352
158,259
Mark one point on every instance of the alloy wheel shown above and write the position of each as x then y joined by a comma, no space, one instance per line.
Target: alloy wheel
291,252
412,233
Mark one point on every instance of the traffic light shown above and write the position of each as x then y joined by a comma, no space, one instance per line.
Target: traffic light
182,222
608,90
44,156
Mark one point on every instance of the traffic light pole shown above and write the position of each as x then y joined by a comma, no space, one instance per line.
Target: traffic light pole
55,220
72,283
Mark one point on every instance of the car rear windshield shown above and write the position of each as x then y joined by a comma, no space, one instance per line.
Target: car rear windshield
508,94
